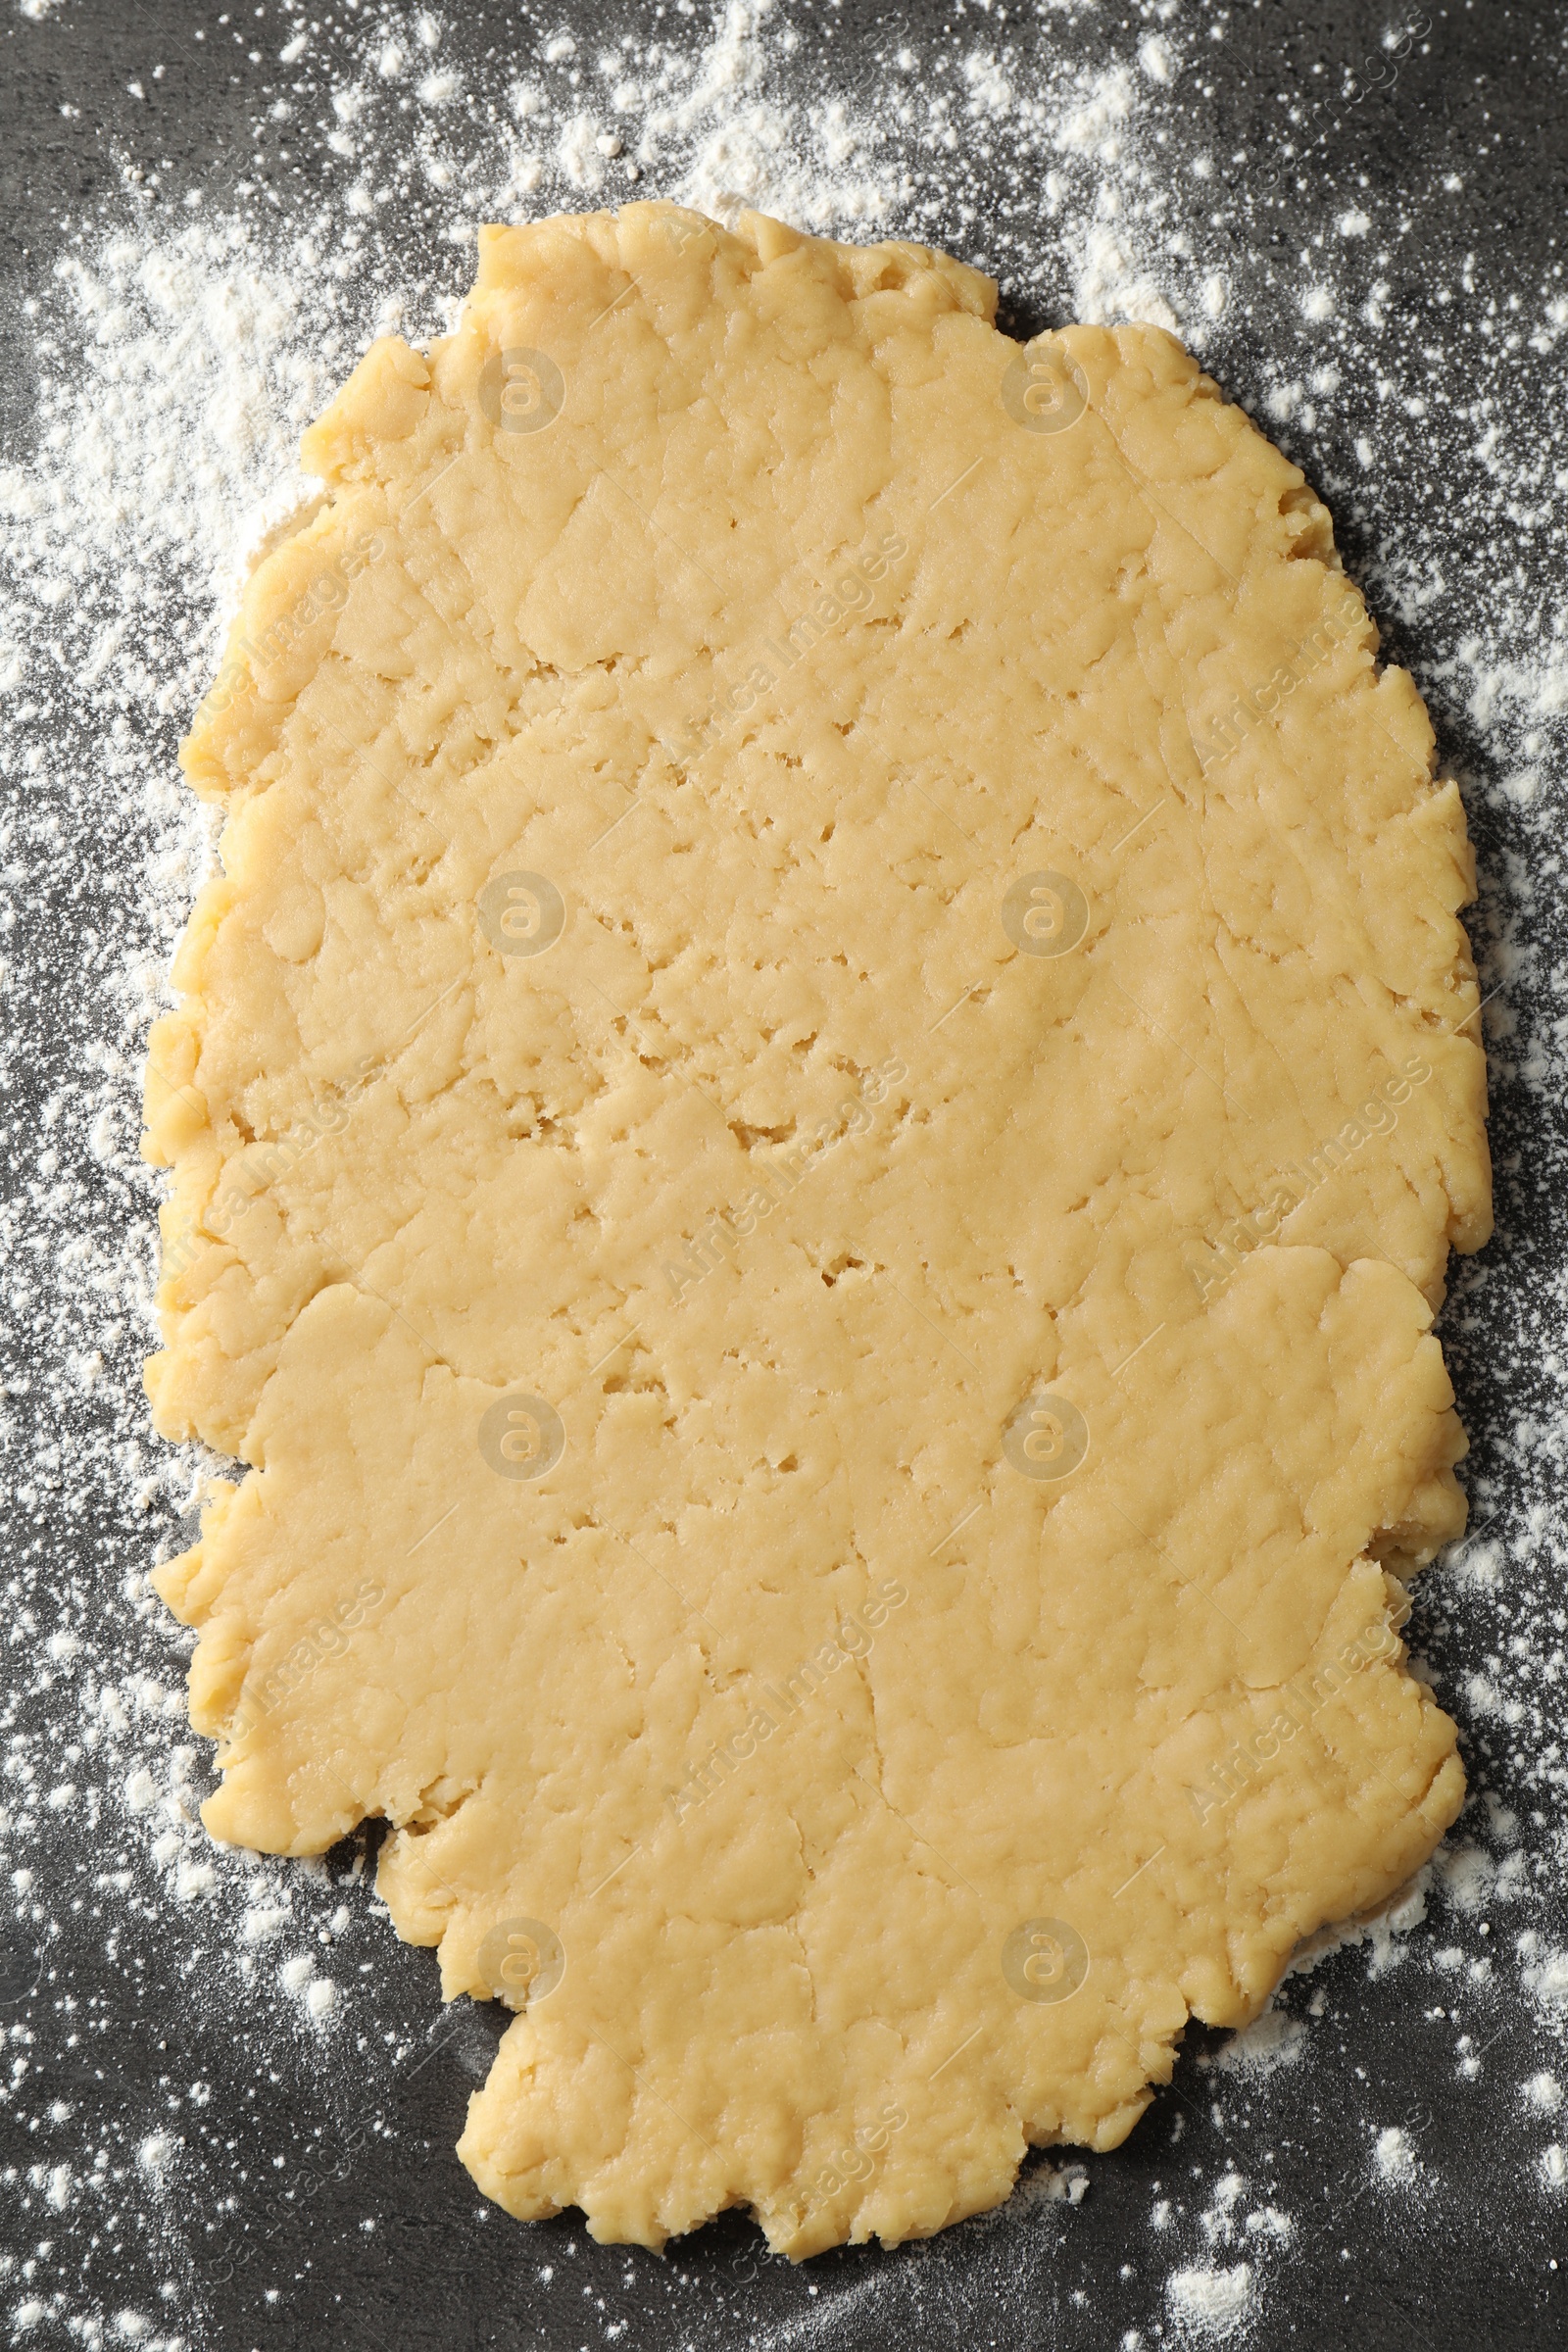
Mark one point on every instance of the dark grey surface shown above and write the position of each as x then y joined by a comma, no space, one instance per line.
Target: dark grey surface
1472,2262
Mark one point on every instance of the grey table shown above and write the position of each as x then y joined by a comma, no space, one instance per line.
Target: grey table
1474,2258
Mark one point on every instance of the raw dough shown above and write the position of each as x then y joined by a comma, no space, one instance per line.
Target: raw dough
814,1134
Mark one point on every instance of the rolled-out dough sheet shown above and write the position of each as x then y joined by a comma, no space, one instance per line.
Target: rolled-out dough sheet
814,1132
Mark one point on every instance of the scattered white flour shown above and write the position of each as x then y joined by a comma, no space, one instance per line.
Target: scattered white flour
1272,2040
1210,2303
186,336
1392,2156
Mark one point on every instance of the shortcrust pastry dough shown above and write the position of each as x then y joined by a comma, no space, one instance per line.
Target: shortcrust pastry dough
814,1133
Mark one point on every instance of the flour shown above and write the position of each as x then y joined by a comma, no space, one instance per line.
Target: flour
180,346
1392,2155
1210,2303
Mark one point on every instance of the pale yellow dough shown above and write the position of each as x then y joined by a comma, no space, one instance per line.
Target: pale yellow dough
785,1155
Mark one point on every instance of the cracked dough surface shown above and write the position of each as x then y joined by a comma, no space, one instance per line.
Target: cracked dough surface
636,1173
